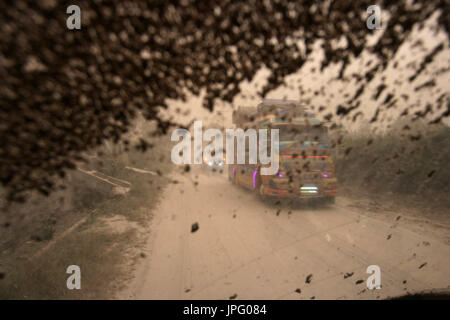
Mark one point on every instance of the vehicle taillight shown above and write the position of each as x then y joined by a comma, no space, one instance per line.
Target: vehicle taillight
281,174
327,175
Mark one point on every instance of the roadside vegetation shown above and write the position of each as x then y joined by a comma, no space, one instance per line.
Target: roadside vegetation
410,162
92,223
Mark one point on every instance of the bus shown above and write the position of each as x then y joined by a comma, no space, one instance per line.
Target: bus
306,167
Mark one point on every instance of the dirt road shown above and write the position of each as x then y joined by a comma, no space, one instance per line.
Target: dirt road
244,249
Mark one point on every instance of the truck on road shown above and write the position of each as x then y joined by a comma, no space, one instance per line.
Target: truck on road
306,167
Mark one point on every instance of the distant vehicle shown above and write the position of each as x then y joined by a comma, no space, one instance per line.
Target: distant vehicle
210,163
213,163
306,167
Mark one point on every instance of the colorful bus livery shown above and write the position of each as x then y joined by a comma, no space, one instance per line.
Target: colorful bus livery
306,167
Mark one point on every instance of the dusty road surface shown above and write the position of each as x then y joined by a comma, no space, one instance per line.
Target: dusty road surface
243,249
